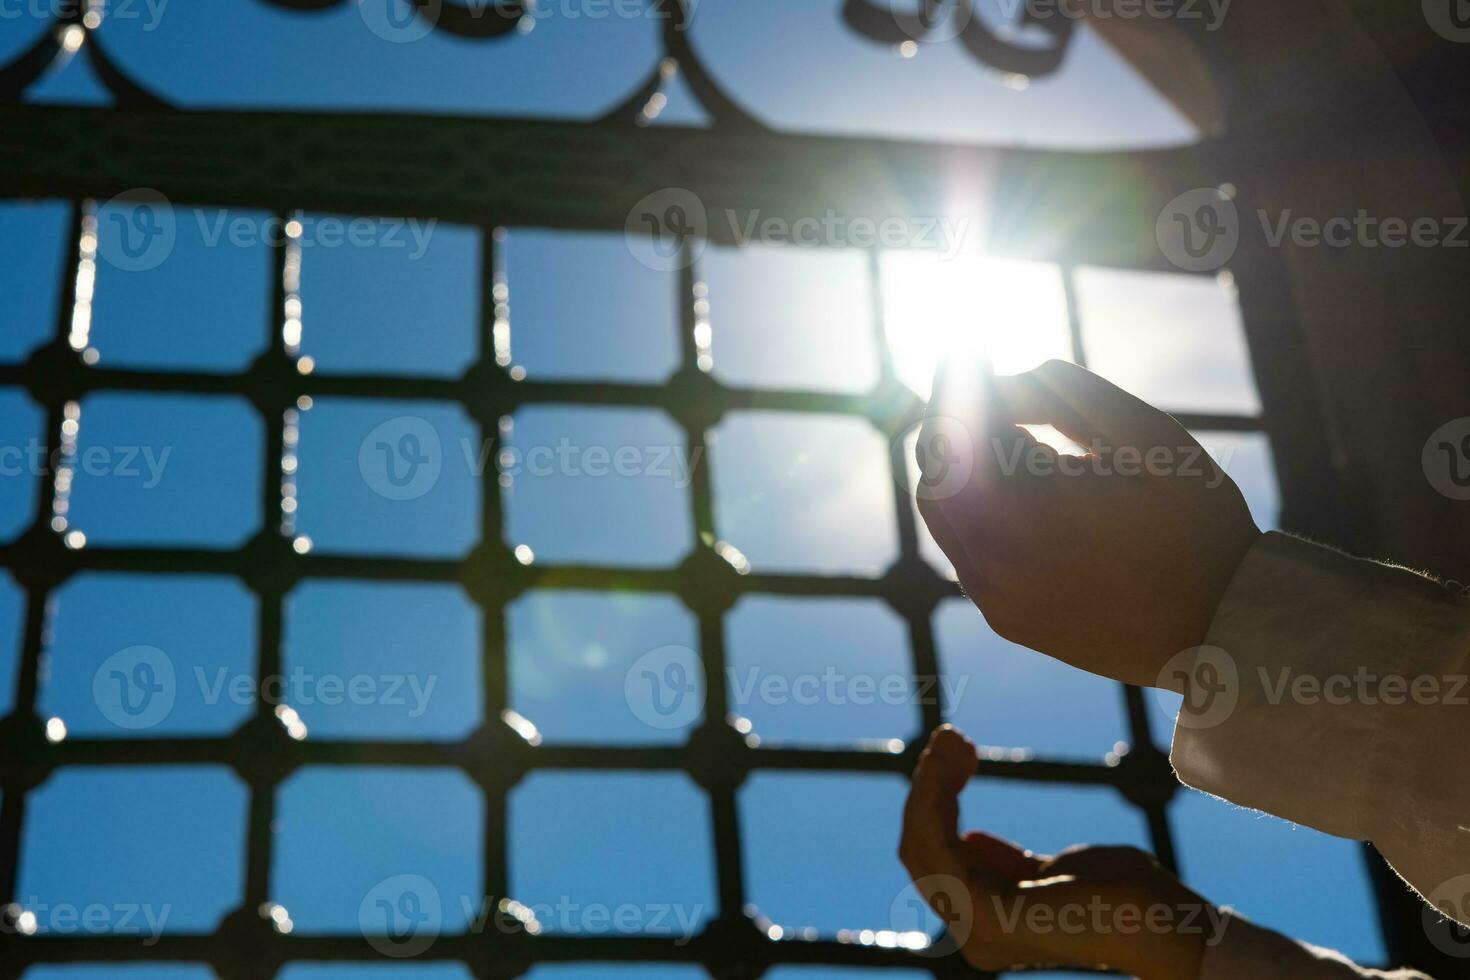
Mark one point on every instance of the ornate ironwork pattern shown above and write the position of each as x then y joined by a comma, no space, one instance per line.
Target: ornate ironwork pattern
76,22
889,25
492,174
75,29
717,756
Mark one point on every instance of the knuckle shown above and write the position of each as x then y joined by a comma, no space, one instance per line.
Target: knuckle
1054,367
1003,618
1135,856
1134,874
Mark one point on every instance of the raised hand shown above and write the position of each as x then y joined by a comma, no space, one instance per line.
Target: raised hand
1114,561
1007,908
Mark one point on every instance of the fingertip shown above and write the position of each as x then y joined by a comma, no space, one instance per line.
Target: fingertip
952,757
948,739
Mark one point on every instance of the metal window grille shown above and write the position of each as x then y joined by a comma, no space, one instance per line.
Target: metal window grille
508,173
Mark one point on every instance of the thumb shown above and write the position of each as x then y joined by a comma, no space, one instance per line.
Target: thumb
1000,856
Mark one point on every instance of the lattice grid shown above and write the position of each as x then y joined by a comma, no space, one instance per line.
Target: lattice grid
495,757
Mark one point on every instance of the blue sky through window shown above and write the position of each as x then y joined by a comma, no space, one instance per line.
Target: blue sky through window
569,651
806,493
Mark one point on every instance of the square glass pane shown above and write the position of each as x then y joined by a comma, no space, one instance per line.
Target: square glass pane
1292,879
33,260
24,465
182,287
1014,312
378,660
1176,341
360,848
149,656
643,863
601,486
1003,694
389,477
375,971
792,317
601,667
1246,458
1048,818
820,848
167,470
804,493
390,295
161,849
828,672
582,307
126,971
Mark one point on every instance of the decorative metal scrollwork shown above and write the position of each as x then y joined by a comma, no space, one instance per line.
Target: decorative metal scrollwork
679,55
74,30
883,23
70,32
480,20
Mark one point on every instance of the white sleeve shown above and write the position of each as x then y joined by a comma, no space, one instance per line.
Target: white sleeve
1246,950
1353,708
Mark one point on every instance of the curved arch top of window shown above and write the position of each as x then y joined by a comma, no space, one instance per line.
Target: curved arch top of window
263,54
801,67
975,71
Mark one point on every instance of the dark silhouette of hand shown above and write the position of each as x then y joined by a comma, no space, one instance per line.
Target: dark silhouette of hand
1113,561
1007,908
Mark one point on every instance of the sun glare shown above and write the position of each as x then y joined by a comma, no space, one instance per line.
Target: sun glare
1010,312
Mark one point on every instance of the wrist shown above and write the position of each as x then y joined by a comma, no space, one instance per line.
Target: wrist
1180,957
1223,570
1171,943
1170,956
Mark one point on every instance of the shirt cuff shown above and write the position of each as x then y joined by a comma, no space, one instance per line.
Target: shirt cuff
1337,699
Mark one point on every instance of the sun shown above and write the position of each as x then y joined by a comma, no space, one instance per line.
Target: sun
1012,312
